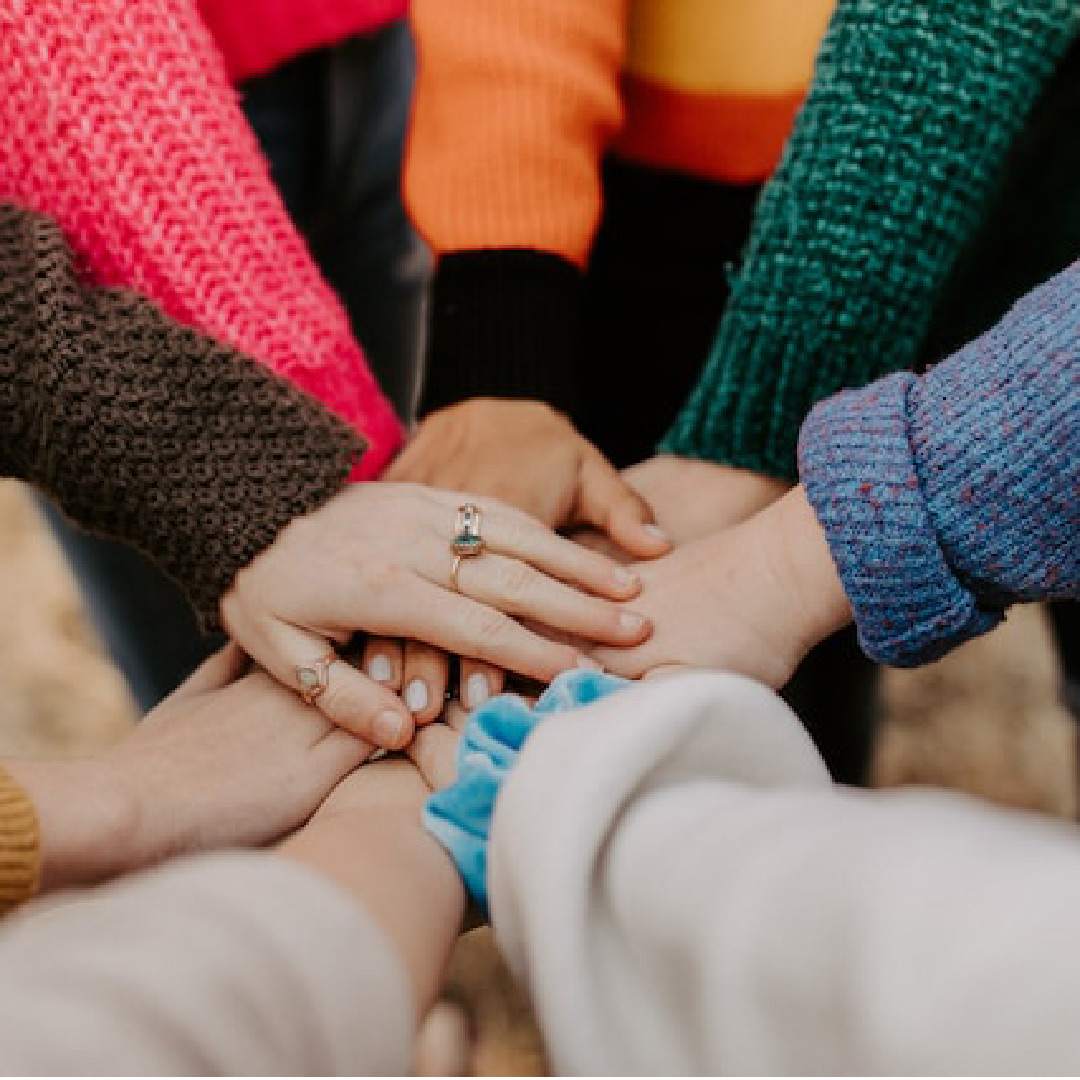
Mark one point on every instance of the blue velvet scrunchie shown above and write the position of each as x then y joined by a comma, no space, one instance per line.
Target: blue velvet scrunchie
460,815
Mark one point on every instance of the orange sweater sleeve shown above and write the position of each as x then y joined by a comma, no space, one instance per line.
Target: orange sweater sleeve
516,101
20,848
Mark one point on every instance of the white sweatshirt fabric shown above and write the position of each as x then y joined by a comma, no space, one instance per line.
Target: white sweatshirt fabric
237,964
674,878
684,891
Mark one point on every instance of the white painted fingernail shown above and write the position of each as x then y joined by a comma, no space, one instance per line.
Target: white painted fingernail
477,690
631,622
589,664
416,696
380,668
657,533
388,728
625,579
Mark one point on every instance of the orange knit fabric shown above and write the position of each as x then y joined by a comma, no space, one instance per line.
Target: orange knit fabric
20,846
517,102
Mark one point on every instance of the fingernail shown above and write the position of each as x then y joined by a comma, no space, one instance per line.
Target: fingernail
477,690
631,622
589,664
657,533
389,727
416,696
625,579
380,668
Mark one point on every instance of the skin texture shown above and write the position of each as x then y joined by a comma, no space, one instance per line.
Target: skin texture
227,760
368,839
754,598
377,559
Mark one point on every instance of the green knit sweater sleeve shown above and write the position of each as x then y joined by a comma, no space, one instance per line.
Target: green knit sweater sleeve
886,174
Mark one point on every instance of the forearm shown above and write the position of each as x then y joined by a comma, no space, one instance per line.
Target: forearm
948,497
887,171
155,177
146,432
400,875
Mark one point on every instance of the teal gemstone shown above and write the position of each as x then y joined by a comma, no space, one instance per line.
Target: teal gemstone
466,543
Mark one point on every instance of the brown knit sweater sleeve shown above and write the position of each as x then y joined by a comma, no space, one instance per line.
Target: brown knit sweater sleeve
20,845
146,432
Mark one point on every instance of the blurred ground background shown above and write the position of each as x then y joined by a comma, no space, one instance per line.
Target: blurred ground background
986,720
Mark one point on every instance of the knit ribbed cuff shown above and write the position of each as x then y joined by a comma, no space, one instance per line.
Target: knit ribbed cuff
503,324
20,845
860,475
738,414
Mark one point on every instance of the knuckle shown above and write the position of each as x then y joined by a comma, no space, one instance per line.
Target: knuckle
343,700
489,626
516,580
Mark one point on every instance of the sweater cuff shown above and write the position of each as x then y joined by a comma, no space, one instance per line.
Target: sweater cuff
20,845
503,323
860,475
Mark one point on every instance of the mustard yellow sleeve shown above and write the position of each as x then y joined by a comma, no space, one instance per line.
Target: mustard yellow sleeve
20,845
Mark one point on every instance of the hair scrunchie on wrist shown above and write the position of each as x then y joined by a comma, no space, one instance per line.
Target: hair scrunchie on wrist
459,816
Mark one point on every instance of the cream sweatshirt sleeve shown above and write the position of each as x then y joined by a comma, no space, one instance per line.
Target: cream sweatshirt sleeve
696,897
233,964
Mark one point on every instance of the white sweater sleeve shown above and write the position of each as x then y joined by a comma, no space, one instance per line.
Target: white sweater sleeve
696,897
229,964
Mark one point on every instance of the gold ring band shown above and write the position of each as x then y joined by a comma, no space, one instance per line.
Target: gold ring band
454,572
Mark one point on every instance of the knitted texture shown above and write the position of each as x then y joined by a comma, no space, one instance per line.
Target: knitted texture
119,122
459,816
889,166
255,36
948,497
20,845
146,432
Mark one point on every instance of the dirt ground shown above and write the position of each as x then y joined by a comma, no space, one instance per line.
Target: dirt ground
986,721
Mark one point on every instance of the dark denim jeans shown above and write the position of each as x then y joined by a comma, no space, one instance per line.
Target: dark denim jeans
332,124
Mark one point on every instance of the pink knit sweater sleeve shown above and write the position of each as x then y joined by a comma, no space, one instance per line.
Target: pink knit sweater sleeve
117,119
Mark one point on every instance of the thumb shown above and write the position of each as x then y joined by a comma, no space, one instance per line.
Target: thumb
608,502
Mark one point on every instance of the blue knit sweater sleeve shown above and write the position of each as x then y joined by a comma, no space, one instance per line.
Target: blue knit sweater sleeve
946,498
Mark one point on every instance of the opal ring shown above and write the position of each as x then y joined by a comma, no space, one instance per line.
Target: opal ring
314,678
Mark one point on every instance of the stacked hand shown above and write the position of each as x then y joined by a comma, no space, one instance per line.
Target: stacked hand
377,558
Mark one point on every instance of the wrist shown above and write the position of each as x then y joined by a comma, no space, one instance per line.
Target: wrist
806,574
87,822
399,874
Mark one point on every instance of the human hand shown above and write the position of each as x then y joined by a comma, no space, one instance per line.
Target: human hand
377,558
225,761
693,498
753,598
530,456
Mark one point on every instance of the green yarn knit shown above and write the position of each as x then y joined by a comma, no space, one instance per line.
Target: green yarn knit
893,158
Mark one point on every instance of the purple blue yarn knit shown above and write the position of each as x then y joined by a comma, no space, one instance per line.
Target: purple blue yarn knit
945,498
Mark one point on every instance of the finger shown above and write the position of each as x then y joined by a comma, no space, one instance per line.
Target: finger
514,533
383,661
455,716
350,700
424,681
518,589
607,501
433,751
478,682
219,670
456,624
